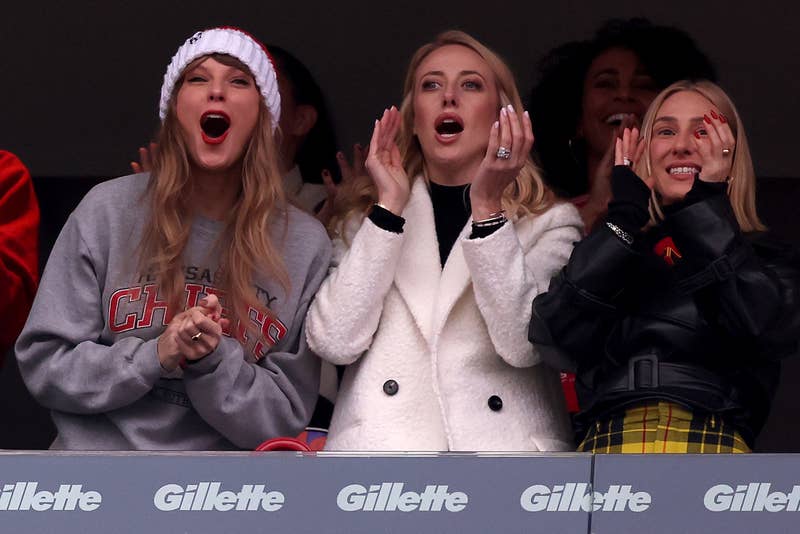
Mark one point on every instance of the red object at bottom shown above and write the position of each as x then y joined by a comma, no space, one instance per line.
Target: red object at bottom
568,385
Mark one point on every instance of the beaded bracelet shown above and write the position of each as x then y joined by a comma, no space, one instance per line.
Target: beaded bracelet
622,234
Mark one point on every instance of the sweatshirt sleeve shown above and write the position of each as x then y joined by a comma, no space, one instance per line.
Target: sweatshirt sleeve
344,316
19,224
65,359
507,275
250,402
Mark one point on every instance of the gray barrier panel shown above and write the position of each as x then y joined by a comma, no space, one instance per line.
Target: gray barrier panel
698,493
290,492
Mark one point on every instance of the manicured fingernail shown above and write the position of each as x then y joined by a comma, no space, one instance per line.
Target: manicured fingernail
705,118
340,155
503,111
526,114
722,118
697,135
714,114
325,173
496,124
510,108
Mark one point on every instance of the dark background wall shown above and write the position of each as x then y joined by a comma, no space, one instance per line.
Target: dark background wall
79,88
81,80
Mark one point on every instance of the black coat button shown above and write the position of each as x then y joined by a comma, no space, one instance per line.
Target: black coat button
495,403
390,387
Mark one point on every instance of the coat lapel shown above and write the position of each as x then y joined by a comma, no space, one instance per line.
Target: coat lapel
419,269
455,279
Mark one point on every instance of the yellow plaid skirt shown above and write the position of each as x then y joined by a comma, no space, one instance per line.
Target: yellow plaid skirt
662,427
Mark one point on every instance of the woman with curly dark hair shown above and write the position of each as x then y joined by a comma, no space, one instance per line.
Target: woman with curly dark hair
589,90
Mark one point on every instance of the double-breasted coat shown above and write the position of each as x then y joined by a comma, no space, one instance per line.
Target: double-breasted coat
438,357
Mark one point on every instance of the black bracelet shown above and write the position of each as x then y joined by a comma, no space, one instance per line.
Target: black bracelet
386,220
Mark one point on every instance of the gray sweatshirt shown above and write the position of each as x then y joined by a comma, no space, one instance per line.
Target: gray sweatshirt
88,350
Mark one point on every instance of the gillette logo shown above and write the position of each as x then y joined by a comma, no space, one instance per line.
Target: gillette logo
578,497
390,497
753,497
206,497
22,496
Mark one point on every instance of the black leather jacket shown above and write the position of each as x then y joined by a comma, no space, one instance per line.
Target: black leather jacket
707,332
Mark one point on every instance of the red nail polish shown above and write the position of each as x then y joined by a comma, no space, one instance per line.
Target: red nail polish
697,135
722,118
705,118
714,114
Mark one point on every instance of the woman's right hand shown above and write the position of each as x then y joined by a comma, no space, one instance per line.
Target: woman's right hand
629,148
192,334
385,165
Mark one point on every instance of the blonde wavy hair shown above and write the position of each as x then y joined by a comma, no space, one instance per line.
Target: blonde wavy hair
526,194
245,245
742,183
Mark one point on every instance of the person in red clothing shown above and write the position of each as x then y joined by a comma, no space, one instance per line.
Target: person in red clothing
19,268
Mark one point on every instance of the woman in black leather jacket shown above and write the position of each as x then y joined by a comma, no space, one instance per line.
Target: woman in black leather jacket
676,311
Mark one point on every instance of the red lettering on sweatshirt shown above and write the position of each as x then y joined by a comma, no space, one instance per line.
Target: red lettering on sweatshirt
270,328
129,323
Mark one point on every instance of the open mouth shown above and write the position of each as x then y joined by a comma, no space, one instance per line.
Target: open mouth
448,126
215,126
618,118
684,171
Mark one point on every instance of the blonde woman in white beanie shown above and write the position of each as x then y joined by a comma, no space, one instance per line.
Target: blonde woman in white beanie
170,314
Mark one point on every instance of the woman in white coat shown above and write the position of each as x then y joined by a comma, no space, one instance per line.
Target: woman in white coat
438,255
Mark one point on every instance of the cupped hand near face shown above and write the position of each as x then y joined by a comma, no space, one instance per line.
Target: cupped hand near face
385,165
629,148
712,148
512,132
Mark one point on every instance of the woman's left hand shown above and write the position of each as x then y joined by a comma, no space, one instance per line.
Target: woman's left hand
716,148
514,135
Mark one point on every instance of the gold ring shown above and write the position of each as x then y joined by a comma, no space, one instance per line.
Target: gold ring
726,151
196,337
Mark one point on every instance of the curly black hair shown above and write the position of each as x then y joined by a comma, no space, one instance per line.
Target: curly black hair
667,54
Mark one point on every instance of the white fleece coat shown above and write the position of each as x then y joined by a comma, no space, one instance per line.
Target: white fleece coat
451,338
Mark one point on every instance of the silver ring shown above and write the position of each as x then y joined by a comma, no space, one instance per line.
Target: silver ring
627,162
503,153
196,337
726,151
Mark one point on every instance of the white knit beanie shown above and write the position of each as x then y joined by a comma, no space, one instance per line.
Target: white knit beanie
233,42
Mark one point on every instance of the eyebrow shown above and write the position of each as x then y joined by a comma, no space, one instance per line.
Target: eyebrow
462,73
667,118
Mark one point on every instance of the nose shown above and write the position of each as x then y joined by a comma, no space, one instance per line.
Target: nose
623,92
449,97
216,91
684,142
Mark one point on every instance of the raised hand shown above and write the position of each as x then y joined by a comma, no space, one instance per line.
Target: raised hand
510,142
715,148
385,165
192,334
349,173
628,149
146,157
